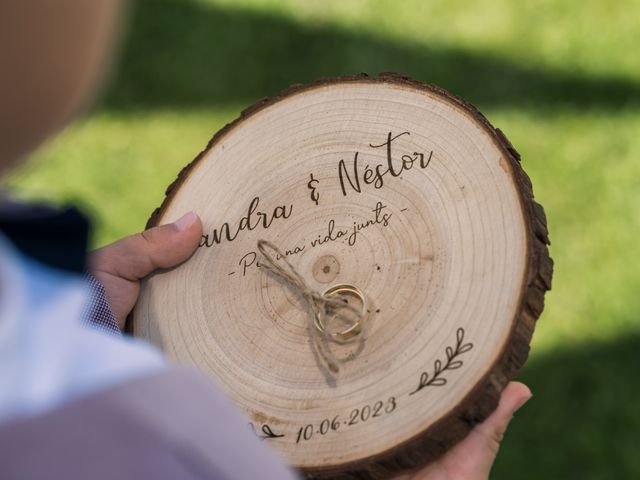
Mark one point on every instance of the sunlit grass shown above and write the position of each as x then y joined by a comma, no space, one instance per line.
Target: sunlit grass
118,166
585,171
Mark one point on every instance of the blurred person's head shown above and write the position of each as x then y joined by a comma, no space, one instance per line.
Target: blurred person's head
52,57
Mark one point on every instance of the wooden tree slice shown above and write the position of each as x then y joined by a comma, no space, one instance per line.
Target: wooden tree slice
385,183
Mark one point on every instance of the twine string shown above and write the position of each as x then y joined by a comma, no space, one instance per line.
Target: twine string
325,308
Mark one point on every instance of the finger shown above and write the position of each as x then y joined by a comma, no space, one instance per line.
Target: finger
135,257
493,428
474,456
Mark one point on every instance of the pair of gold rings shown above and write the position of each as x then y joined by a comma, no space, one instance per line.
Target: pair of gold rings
353,296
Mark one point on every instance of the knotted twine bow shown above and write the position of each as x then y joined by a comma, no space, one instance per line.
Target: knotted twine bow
324,307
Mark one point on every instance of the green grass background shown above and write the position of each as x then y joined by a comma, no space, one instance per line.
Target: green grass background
560,78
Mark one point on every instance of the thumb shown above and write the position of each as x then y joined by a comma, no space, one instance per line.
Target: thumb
474,456
121,265
136,256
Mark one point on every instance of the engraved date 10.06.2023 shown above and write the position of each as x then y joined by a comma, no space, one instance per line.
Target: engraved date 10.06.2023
355,417
368,412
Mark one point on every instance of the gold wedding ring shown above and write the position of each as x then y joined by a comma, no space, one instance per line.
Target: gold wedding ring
345,290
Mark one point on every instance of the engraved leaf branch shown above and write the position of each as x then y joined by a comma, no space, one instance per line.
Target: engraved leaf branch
452,363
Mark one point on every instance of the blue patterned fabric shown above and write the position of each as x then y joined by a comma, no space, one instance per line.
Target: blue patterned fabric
97,312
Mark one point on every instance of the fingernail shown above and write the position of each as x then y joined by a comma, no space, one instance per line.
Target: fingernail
184,222
522,402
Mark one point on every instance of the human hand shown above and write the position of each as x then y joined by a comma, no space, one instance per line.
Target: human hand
121,265
472,458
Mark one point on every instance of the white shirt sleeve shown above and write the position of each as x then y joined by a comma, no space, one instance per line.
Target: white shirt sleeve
47,356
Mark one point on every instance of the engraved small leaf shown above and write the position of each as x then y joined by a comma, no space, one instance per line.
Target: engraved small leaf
465,348
424,381
455,364
460,335
449,353
438,382
437,367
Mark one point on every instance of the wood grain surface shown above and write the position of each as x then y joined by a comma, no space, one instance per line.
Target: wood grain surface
385,183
